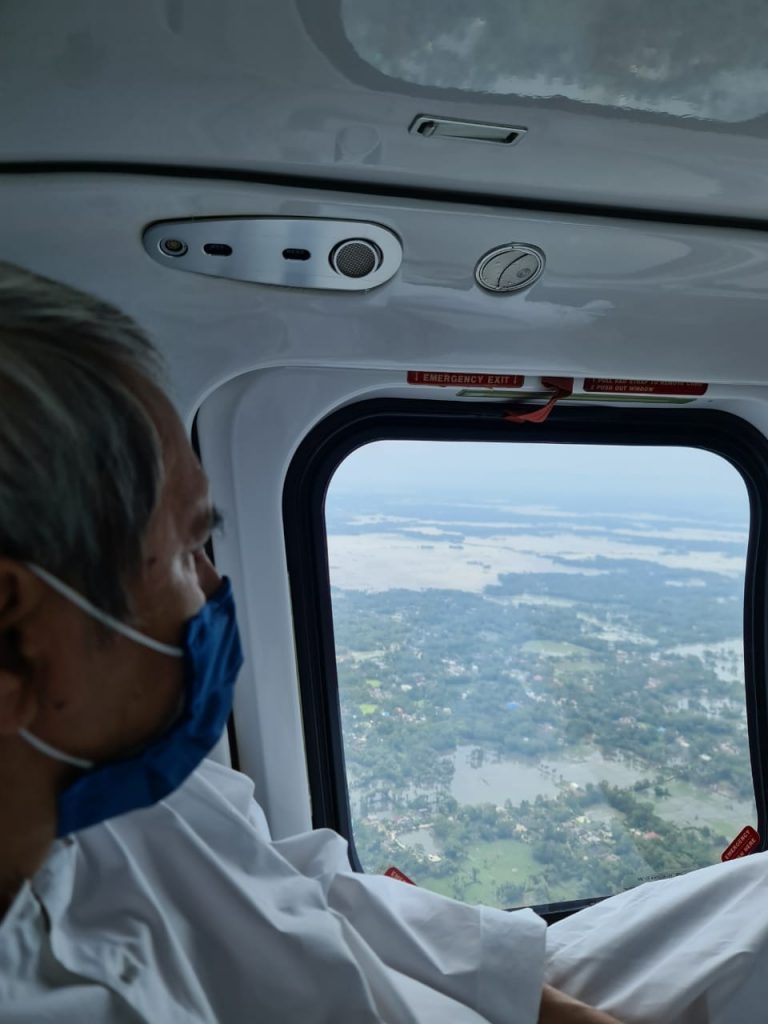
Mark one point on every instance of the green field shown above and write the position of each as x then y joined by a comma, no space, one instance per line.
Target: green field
555,649
688,805
486,867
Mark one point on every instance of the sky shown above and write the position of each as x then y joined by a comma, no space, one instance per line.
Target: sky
628,478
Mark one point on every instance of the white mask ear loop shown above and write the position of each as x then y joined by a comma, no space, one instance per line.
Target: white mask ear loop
119,627
54,752
96,613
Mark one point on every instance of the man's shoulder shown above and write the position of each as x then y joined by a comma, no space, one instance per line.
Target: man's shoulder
214,782
213,805
209,827
216,785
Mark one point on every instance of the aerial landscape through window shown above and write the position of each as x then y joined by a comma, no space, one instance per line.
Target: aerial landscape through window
539,654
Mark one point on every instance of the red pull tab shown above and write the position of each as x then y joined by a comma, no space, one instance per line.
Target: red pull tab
562,387
393,872
745,842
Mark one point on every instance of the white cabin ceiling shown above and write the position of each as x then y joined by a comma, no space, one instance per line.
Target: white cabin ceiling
660,106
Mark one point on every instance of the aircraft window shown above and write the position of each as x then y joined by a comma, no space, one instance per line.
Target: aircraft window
539,654
623,56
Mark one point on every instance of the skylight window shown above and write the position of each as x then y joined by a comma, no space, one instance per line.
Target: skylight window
692,60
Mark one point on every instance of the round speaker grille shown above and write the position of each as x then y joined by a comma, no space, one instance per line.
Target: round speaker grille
355,257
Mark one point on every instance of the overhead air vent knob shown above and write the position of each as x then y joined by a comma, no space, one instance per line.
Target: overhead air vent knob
509,268
355,257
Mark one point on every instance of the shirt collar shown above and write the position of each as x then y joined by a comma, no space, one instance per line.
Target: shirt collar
19,909
54,881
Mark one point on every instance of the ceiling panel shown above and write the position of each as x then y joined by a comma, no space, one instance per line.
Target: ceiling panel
656,106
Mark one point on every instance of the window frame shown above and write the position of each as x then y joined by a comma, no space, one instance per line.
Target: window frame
329,443
234,753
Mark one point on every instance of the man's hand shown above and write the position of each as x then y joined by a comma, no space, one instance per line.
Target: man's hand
558,1008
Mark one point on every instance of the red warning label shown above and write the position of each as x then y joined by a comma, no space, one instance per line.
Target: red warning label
438,379
745,843
613,386
393,872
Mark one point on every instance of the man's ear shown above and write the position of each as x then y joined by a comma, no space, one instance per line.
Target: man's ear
21,594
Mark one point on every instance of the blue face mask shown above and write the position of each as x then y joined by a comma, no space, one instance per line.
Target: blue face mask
212,659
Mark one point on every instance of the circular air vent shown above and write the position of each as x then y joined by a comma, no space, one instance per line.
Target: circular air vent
355,257
510,268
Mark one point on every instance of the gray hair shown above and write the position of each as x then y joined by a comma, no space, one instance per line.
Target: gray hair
80,457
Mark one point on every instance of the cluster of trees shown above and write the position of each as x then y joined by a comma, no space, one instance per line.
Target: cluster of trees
659,602
449,668
579,850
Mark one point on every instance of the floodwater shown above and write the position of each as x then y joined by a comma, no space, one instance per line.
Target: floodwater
374,561
727,657
419,837
495,782
517,780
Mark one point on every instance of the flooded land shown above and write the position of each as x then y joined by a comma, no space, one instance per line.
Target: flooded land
537,705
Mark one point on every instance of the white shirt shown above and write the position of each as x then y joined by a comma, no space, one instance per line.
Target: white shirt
685,950
188,912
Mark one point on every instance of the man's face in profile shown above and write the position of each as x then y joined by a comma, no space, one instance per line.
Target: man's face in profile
82,688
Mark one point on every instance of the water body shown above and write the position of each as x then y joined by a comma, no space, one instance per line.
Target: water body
419,837
727,657
518,780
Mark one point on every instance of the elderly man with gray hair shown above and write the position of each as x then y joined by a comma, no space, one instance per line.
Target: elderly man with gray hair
138,882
